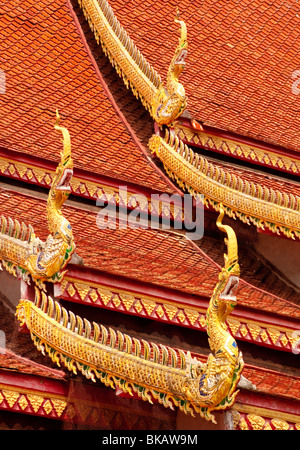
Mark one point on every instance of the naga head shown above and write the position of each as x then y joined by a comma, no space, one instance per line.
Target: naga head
60,189
229,276
170,100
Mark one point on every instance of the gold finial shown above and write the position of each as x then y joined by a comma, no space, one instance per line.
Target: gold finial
66,153
57,118
231,259
183,37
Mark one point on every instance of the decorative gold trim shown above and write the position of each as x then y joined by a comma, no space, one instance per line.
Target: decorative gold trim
248,417
168,375
175,312
241,199
94,190
236,148
32,401
116,359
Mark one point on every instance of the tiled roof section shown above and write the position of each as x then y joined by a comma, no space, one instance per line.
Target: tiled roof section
13,362
274,383
162,258
132,108
241,59
47,67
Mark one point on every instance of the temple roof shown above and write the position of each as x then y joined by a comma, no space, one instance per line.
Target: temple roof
240,64
238,79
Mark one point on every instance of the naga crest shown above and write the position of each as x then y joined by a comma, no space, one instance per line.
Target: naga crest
218,378
178,62
229,276
59,245
170,101
60,189
22,253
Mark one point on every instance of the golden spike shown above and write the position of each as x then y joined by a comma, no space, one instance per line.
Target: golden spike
279,198
23,231
247,187
241,185
233,180
113,337
104,335
286,200
201,163
57,314
120,340
31,234
37,297
165,355
65,317
147,351
192,157
259,191
293,202
4,225
96,332
10,227
266,195
87,329
167,135
184,149
137,347
50,306
128,343
182,359
79,324
66,152
17,229
155,356
44,302
231,258
173,140
72,321
173,357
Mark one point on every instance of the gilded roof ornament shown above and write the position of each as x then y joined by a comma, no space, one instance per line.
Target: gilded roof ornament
242,199
170,101
165,102
153,371
23,253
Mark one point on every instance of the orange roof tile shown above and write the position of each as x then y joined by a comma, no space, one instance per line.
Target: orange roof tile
241,59
47,67
273,382
13,362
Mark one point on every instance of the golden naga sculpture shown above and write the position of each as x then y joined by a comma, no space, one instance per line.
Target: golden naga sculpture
154,372
219,376
165,103
247,201
170,102
21,252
